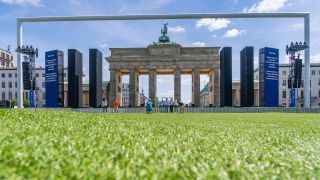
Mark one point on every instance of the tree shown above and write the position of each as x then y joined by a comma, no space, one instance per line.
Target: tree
14,102
26,103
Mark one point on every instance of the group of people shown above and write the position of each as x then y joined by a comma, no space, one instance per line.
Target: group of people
169,105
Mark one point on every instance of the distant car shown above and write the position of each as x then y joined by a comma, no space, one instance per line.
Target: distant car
4,104
283,105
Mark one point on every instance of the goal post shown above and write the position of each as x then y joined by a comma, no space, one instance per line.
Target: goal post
304,15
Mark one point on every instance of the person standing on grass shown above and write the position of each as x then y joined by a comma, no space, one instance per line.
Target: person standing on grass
171,105
166,104
181,107
175,105
156,105
149,107
116,105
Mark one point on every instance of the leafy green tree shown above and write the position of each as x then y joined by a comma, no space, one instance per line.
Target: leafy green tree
14,102
26,103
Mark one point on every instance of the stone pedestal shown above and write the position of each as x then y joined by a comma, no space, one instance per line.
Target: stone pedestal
152,84
177,84
196,87
133,88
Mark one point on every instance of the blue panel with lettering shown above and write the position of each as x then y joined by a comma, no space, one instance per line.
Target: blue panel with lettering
271,58
32,100
52,78
292,98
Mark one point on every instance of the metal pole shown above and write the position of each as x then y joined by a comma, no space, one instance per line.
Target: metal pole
164,16
9,96
19,65
307,62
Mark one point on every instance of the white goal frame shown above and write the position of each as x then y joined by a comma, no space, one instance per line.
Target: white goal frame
304,15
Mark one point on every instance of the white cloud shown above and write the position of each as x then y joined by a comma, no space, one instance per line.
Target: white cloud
125,79
315,41
102,45
315,21
266,6
186,81
168,93
204,80
284,59
119,29
297,26
255,61
144,5
156,4
199,44
233,33
160,80
85,76
176,29
315,58
212,24
22,2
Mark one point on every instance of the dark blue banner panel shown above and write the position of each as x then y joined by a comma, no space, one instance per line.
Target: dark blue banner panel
292,98
269,77
32,100
53,62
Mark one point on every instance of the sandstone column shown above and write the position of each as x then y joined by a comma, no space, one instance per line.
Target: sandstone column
196,87
133,88
152,84
238,96
115,86
216,88
119,83
177,84
211,87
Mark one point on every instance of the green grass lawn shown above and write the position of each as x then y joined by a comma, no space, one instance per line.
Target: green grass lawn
47,144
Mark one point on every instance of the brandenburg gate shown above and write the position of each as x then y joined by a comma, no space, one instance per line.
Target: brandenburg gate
160,58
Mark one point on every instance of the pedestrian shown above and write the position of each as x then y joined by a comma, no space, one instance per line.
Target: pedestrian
181,108
156,105
166,104
175,105
171,105
116,105
104,105
149,107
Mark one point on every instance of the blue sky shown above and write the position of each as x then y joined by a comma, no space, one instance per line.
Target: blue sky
237,33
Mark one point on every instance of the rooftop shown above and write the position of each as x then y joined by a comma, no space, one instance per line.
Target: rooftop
311,64
5,51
